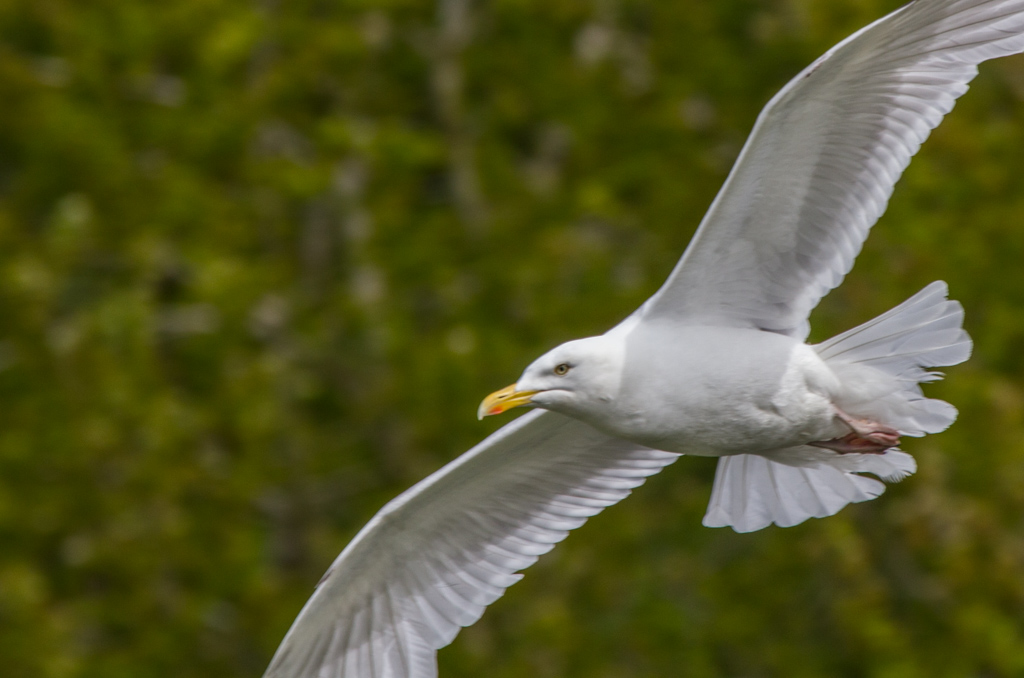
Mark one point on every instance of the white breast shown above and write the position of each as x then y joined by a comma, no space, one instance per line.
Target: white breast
717,391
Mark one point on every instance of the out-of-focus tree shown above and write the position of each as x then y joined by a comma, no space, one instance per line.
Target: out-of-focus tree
260,260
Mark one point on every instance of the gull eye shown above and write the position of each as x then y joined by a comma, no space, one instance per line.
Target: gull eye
562,369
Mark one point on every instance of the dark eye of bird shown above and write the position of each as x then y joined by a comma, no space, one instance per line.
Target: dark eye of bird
561,369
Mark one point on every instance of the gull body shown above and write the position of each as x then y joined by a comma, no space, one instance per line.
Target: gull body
715,363
697,390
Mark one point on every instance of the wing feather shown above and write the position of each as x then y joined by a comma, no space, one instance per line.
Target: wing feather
821,163
431,560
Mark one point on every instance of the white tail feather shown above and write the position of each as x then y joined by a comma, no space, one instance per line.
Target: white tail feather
882,362
880,365
752,492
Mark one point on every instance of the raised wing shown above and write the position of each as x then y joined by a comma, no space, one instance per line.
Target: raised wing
432,559
822,160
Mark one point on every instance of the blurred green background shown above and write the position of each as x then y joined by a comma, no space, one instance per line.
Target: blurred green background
261,259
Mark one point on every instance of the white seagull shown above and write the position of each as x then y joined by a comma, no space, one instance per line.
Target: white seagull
713,364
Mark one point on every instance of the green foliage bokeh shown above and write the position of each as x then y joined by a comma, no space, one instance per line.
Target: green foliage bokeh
260,260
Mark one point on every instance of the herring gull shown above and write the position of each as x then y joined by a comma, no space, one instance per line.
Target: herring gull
715,363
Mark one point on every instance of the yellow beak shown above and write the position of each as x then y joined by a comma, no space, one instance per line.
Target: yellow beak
504,400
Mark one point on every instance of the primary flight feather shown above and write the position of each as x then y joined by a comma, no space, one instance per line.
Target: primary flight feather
713,364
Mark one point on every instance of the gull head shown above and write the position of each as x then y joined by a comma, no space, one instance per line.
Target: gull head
576,378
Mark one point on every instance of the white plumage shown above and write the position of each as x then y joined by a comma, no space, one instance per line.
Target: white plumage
432,559
881,364
714,363
822,160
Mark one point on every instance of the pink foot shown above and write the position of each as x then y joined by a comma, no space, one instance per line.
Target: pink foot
868,437
851,443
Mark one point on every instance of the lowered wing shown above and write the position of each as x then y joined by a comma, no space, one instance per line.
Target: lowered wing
433,558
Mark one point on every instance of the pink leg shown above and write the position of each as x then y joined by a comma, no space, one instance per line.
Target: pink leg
868,437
